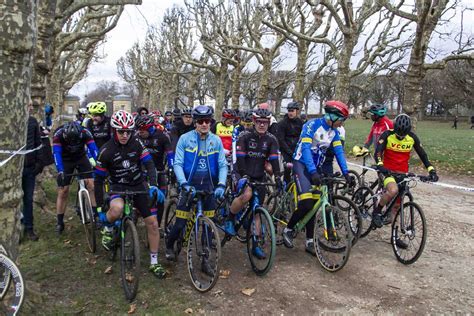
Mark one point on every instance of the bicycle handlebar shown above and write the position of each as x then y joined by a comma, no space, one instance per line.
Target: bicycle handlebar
127,192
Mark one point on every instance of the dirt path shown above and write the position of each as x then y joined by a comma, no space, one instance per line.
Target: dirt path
442,281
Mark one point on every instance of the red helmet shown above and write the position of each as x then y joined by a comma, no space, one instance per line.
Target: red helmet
228,114
337,107
153,114
122,120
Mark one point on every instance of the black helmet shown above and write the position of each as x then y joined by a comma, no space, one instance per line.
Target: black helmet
168,113
176,112
247,116
402,125
293,106
202,111
378,109
262,113
187,111
228,114
72,132
143,121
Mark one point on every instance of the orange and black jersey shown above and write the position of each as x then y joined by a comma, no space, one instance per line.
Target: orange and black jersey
394,153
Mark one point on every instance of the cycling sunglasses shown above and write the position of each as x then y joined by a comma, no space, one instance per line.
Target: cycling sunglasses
203,121
125,131
262,122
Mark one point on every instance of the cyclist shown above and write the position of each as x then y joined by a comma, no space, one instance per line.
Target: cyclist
393,154
159,145
381,123
246,123
142,111
99,124
254,147
122,158
273,122
199,164
181,126
225,128
168,120
288,134
69,142
81,115
316,137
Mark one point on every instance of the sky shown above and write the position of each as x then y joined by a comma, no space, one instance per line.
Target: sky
133,25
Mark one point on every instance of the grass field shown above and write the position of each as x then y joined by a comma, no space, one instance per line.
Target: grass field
449,150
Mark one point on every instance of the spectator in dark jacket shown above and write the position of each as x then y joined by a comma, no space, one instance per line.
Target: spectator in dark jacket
288,134
31,168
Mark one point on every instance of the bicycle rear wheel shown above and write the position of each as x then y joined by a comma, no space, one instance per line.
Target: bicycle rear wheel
129,258
409,235
261,234
342,189
364,200
88,221
12,287
332,246
203,255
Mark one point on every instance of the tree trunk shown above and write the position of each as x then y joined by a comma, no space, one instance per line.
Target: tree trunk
236,80
192,87
17,31
220,88
298,93
343,80
262,95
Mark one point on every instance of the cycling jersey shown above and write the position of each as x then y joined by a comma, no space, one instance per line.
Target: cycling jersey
327,166
158,144
316,138
380,126
123,164
225,134
65,150
394,154
191,154
253,150
288,134
101,132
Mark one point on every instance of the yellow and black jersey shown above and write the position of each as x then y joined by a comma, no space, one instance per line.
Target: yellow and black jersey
394,153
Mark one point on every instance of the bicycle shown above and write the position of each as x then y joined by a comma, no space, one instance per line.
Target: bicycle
332,232
201,238
11,295
404,228
259,228
83,208
125,237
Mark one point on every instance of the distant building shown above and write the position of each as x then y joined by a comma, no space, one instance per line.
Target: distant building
122,102
70,106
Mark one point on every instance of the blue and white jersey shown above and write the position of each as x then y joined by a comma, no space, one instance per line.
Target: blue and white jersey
315,139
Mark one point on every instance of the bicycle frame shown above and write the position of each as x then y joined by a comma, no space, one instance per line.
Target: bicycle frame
82,188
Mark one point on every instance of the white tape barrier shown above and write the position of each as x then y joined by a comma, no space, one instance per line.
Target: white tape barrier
17,152
446,185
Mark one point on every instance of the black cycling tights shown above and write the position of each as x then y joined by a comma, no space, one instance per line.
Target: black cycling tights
304,206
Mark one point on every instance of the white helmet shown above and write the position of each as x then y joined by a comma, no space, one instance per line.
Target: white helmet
122,120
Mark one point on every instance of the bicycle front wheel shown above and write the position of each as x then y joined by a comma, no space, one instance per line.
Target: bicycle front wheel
12,287
88,221
204,252
261,241
354,217
129,258
332,242
409,233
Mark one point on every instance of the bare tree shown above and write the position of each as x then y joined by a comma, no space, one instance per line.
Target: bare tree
18,32
426,14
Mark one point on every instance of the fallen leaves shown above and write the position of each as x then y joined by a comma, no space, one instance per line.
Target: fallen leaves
129,277
132,309
188,311
108,270
248,291
224,274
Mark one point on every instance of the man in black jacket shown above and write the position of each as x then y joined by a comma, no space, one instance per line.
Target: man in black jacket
288,134
181,126
31,168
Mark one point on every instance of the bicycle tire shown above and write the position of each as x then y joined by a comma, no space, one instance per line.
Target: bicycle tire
340,188
409,236
129,259
326,248
268,241
363,199
201,245
169,221
13,292
282,215
353,215
89,222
